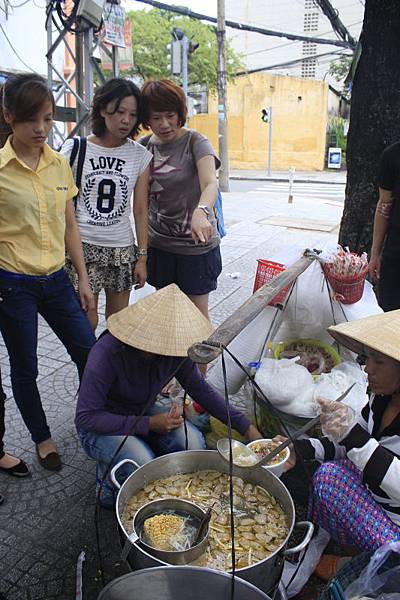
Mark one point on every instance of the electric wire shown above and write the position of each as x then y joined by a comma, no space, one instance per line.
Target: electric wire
278,46
243,27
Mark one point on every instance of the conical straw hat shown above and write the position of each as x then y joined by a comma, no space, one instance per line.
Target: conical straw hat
378,332
165,322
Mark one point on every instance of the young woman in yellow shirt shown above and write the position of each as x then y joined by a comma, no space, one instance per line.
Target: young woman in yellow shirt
37,223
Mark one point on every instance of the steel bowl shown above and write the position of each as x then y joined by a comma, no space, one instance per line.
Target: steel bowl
181,507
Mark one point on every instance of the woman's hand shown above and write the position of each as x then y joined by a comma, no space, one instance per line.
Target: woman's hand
375,267
202,230
164,423
252,434
337,419
291,461
140,272
85,295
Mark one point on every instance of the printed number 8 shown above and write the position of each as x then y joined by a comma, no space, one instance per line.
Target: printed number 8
106,196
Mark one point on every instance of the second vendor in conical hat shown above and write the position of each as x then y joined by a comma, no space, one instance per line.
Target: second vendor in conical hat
356,491
146,344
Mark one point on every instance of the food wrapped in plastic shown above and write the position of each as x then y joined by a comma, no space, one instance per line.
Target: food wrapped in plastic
168,531
288,386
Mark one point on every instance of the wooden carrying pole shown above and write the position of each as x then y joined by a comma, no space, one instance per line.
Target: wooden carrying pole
205,352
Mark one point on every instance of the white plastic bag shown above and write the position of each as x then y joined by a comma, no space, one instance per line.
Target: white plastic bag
310,560
370,584
309,311
287,385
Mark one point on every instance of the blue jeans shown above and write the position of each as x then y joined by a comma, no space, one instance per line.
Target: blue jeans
2,416
21,300
101,448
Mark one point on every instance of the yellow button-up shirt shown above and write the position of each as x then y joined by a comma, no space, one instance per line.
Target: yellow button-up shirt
32,211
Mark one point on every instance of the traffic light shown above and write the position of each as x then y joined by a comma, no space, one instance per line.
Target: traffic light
175,55
265,115
193,47
177,33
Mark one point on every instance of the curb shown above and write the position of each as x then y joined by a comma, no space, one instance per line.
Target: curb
285,179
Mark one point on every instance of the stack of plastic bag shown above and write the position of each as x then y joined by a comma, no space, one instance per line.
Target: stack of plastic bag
294,391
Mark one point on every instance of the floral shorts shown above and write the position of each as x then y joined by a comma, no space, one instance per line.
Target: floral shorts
108,268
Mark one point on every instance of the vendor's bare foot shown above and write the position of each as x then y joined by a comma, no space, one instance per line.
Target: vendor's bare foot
48,455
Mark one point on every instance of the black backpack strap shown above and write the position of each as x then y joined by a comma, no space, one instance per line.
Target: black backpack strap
81,160
78,148
145,140
74,151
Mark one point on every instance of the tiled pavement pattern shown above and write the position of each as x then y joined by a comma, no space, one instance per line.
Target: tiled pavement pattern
49,518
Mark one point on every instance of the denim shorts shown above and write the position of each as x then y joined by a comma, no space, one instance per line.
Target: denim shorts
194,274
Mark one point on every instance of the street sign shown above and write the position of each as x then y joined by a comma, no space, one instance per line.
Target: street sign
334,158
114,24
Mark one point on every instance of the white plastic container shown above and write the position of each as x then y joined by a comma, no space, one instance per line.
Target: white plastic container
277,467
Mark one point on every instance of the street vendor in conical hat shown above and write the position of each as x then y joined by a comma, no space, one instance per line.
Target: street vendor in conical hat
356,491
145,346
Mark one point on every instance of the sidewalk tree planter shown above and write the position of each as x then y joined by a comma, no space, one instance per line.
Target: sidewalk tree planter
374,119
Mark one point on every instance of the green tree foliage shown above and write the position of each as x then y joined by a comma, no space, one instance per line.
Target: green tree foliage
151,32
340,68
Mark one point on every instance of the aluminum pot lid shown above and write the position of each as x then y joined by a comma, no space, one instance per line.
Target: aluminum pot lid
179,583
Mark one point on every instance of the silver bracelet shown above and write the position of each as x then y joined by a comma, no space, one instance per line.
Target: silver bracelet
141,252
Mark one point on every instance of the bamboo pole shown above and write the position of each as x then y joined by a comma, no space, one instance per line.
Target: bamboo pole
205,352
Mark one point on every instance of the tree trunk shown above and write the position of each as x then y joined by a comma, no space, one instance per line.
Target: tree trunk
374,119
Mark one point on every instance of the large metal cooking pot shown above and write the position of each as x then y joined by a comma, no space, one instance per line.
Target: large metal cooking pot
179,583
264,574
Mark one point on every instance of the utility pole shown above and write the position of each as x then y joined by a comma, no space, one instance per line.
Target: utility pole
185,50
270,142
221,86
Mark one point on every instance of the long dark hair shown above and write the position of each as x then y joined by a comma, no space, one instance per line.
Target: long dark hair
114,90
23,96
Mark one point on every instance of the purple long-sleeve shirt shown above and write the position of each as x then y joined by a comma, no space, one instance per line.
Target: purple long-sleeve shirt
119,381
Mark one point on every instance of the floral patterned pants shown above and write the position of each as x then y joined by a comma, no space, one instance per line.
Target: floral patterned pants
344,507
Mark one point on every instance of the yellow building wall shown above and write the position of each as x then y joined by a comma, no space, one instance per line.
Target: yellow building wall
299,109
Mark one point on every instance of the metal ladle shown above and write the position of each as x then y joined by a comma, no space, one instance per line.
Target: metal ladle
223,445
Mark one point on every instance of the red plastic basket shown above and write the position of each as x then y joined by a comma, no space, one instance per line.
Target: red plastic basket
267,270
348,289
